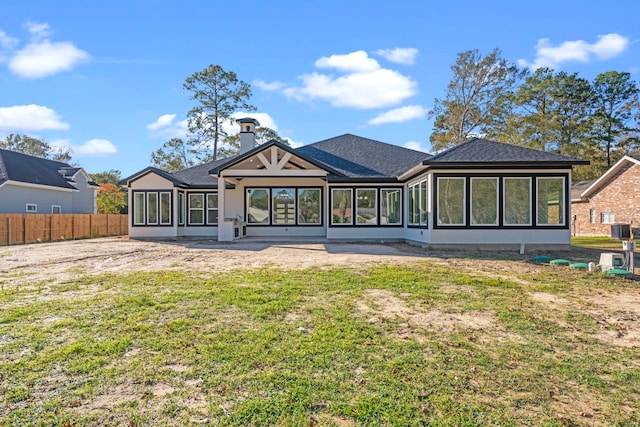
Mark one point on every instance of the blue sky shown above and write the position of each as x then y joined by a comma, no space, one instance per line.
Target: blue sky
105,78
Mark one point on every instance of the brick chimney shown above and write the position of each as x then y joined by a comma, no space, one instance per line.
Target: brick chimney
247,133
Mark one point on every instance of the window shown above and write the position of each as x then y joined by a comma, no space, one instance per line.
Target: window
341,202
32,207
484,201
152,208
592,216
517,201
309,207
607,218
284,206
418,204
390,209
165,208
196,209
212,208
55,209
551,201
366,206
138,208
180,208
258,206
451,200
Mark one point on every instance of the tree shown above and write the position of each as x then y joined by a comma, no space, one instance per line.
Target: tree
219,94
231,144
111,199
35,147
473,97
174,155
111,176
616,108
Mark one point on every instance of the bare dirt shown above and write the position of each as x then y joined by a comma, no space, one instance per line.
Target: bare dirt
48,264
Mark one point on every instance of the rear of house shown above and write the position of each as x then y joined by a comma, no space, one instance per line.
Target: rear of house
352,188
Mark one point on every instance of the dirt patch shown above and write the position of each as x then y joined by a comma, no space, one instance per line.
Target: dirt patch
618,315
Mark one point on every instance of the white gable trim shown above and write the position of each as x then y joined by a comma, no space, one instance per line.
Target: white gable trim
612,171
274,167
38,186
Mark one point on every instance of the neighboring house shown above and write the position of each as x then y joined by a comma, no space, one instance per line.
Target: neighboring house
614,198
348,187
31,184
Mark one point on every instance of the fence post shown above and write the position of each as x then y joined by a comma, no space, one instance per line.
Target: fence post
108,232
90,226
8,231
51,228
73,227
24,230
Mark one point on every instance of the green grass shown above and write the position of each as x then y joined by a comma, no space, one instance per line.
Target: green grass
596,242
315,348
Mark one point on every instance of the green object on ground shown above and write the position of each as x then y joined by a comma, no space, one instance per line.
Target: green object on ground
579,265
541,259
559,262
617,272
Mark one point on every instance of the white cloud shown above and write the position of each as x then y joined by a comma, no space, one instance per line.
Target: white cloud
38,30
351,62
414,145
166,127
7,42
399,55
163,121
398,115
269,86
30,118
94,147
608,46
44,58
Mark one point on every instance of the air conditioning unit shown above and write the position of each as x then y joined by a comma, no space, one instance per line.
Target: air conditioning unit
610,260
620,231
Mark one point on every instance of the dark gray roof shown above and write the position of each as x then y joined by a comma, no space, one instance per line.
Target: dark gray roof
151,169
578,188
357,157
479,151
199,176
32,170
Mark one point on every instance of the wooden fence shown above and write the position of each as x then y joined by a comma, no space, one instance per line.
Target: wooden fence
20,229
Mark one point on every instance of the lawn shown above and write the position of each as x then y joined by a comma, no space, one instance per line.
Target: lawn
428,343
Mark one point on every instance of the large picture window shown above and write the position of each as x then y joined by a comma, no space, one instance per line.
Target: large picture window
366,206
152,208
309,207
284,206
258,206
517,201
551,201
341,206
451,201
484,201
196,209
391,206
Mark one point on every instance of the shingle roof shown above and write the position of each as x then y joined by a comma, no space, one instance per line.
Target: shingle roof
198,176
358,157
479,151
32,170
578,188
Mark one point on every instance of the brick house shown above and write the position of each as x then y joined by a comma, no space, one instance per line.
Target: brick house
614,198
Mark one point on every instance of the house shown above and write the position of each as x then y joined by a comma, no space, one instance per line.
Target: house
352,188
31,184
613,198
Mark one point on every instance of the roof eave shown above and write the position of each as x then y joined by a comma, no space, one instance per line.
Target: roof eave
612,170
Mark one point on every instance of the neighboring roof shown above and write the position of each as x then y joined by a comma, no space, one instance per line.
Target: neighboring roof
578,188
621,164
356,157
479,151
33,170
